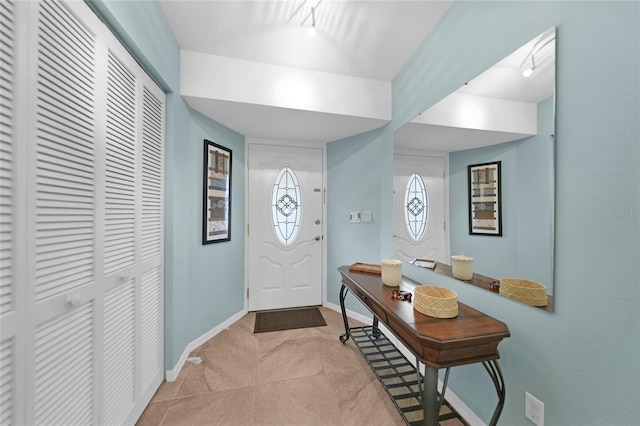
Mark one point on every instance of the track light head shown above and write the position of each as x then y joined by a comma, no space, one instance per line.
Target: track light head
529,70
311,32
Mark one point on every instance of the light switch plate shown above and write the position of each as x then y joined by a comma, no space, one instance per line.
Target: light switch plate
366,217
354,217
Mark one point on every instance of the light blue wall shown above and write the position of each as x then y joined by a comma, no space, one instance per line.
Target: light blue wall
525,248
354,183
216,280
583,360
204,285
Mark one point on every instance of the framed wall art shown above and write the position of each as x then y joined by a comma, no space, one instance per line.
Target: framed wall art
485,206
216,215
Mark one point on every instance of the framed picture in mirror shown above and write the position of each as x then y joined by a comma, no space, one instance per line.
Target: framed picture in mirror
485,206
216,223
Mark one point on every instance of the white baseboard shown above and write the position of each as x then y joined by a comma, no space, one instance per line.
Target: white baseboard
453,399
171,375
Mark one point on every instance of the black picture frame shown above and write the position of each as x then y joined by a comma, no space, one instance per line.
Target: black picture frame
216,201
485,199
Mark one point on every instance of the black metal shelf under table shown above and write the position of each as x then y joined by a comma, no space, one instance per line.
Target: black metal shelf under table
400,379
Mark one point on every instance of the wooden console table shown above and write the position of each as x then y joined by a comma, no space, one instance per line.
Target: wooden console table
469,338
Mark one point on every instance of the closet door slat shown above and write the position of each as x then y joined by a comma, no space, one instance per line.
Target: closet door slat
152,325
64,369
152,160
7,381
119,353
64,183
6,158
120,178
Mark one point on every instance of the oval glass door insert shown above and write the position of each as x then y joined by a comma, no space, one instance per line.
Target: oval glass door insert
286,206
416,207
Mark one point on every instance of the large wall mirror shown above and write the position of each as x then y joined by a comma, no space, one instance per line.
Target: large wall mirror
504,117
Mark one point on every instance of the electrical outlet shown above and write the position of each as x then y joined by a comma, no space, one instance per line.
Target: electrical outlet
533,409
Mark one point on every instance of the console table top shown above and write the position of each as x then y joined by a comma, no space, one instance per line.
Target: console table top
468,338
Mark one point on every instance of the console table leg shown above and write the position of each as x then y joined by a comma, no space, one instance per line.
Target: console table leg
444,388
430,397
493,369
343,294
376,331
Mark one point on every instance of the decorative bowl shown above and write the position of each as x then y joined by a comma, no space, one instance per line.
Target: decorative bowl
525,291
434,301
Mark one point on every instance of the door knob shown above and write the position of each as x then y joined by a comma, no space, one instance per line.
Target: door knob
74,299
317,238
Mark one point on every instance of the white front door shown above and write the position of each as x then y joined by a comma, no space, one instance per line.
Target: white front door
414,241
285,227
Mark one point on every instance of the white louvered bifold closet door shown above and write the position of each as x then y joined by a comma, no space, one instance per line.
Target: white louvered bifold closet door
81,296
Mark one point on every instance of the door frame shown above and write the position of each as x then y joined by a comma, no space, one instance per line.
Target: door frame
293,144
445,156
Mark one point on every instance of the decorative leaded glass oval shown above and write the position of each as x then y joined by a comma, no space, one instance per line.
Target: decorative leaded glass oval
286,205
416,207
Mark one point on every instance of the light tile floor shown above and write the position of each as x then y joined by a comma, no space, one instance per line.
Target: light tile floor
293,377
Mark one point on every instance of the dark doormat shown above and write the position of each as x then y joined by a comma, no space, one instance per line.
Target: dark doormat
287,319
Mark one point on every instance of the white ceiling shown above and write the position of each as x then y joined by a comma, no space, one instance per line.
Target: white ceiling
369,39
363,39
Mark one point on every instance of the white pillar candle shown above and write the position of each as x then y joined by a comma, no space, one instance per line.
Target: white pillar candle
391,272
462,267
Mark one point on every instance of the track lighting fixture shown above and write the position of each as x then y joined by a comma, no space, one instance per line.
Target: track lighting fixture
529,70
311,16
536,49
311,32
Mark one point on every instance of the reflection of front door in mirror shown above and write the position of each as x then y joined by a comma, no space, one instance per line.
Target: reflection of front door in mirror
419,208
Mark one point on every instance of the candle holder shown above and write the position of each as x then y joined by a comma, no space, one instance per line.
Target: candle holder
462,267
391,272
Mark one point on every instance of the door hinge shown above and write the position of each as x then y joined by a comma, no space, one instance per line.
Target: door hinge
247,229
324,196
444,225
247,293
248,164
444,175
